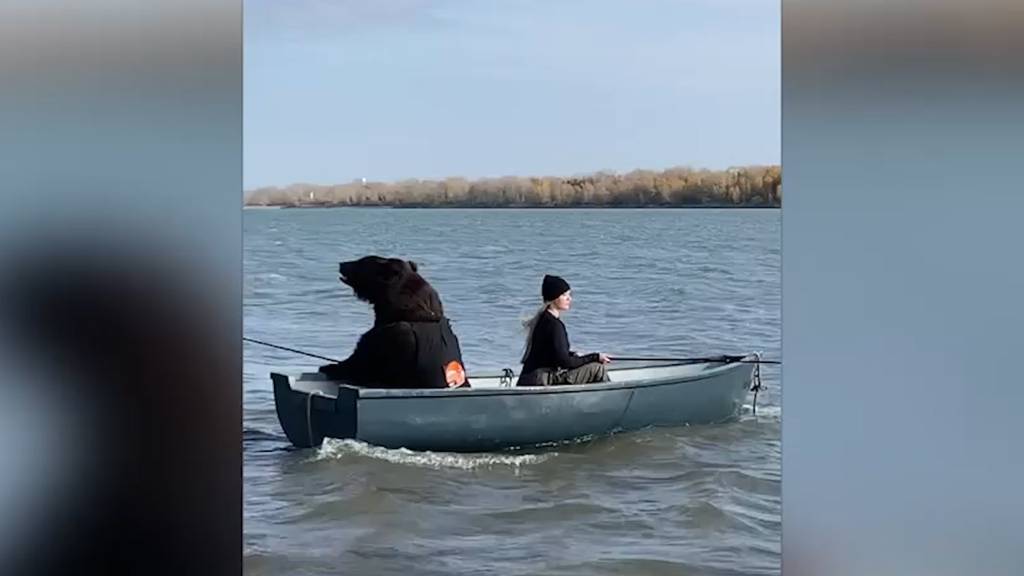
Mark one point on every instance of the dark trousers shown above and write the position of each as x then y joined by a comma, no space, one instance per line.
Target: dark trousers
586,374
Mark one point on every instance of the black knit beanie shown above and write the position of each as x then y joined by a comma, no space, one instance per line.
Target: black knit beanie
553,287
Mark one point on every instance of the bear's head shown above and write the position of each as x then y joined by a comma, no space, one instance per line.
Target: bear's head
394,287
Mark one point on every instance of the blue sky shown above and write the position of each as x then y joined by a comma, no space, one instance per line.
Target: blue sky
391,89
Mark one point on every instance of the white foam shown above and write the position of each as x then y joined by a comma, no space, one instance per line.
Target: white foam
333,449
768,411
267,277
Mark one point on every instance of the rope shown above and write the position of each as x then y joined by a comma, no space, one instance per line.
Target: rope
507,376
757,382
506,373
703,360
291,350
309,414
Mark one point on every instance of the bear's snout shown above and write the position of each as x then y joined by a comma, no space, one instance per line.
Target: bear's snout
345,272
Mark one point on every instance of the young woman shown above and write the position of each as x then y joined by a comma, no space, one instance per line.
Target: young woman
548,359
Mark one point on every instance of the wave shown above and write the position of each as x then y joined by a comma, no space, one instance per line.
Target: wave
267,277
762,410
333,449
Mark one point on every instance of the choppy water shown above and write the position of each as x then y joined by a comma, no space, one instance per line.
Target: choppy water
693,500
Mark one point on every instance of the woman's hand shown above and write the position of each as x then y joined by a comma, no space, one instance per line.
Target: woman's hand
603,358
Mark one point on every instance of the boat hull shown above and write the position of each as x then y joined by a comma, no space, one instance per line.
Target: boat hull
493,417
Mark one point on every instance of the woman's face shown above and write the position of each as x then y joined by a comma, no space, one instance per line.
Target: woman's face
564,301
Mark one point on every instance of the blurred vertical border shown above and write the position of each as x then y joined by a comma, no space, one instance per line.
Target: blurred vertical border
120,287
903,287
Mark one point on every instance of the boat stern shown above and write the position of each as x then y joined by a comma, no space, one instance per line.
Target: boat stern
309,416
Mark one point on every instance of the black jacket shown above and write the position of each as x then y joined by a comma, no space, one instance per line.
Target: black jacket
549,347
400,355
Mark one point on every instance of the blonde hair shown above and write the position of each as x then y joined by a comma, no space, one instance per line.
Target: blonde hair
530,324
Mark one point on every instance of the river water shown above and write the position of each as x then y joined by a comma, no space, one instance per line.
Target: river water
665,282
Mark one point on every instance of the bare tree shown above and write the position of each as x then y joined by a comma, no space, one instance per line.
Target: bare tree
677,186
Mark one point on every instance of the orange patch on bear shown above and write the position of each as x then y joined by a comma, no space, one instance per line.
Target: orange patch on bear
454,374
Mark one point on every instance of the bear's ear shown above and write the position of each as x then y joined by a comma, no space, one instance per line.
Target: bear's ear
413,266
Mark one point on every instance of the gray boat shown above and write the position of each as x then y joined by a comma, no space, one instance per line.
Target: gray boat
496,415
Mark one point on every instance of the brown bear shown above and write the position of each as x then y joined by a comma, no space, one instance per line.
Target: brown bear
411,343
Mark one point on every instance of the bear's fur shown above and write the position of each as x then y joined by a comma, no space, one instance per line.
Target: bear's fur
410,341
395,289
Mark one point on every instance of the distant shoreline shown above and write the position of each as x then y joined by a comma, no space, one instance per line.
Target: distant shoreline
681,187
514,207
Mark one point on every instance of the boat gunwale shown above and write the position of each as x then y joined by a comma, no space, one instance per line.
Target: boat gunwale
406,393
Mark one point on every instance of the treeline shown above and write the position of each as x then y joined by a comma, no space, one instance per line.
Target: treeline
748,186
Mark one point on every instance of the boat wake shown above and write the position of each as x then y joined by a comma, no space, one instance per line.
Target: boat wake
333,449
765,411
267,277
